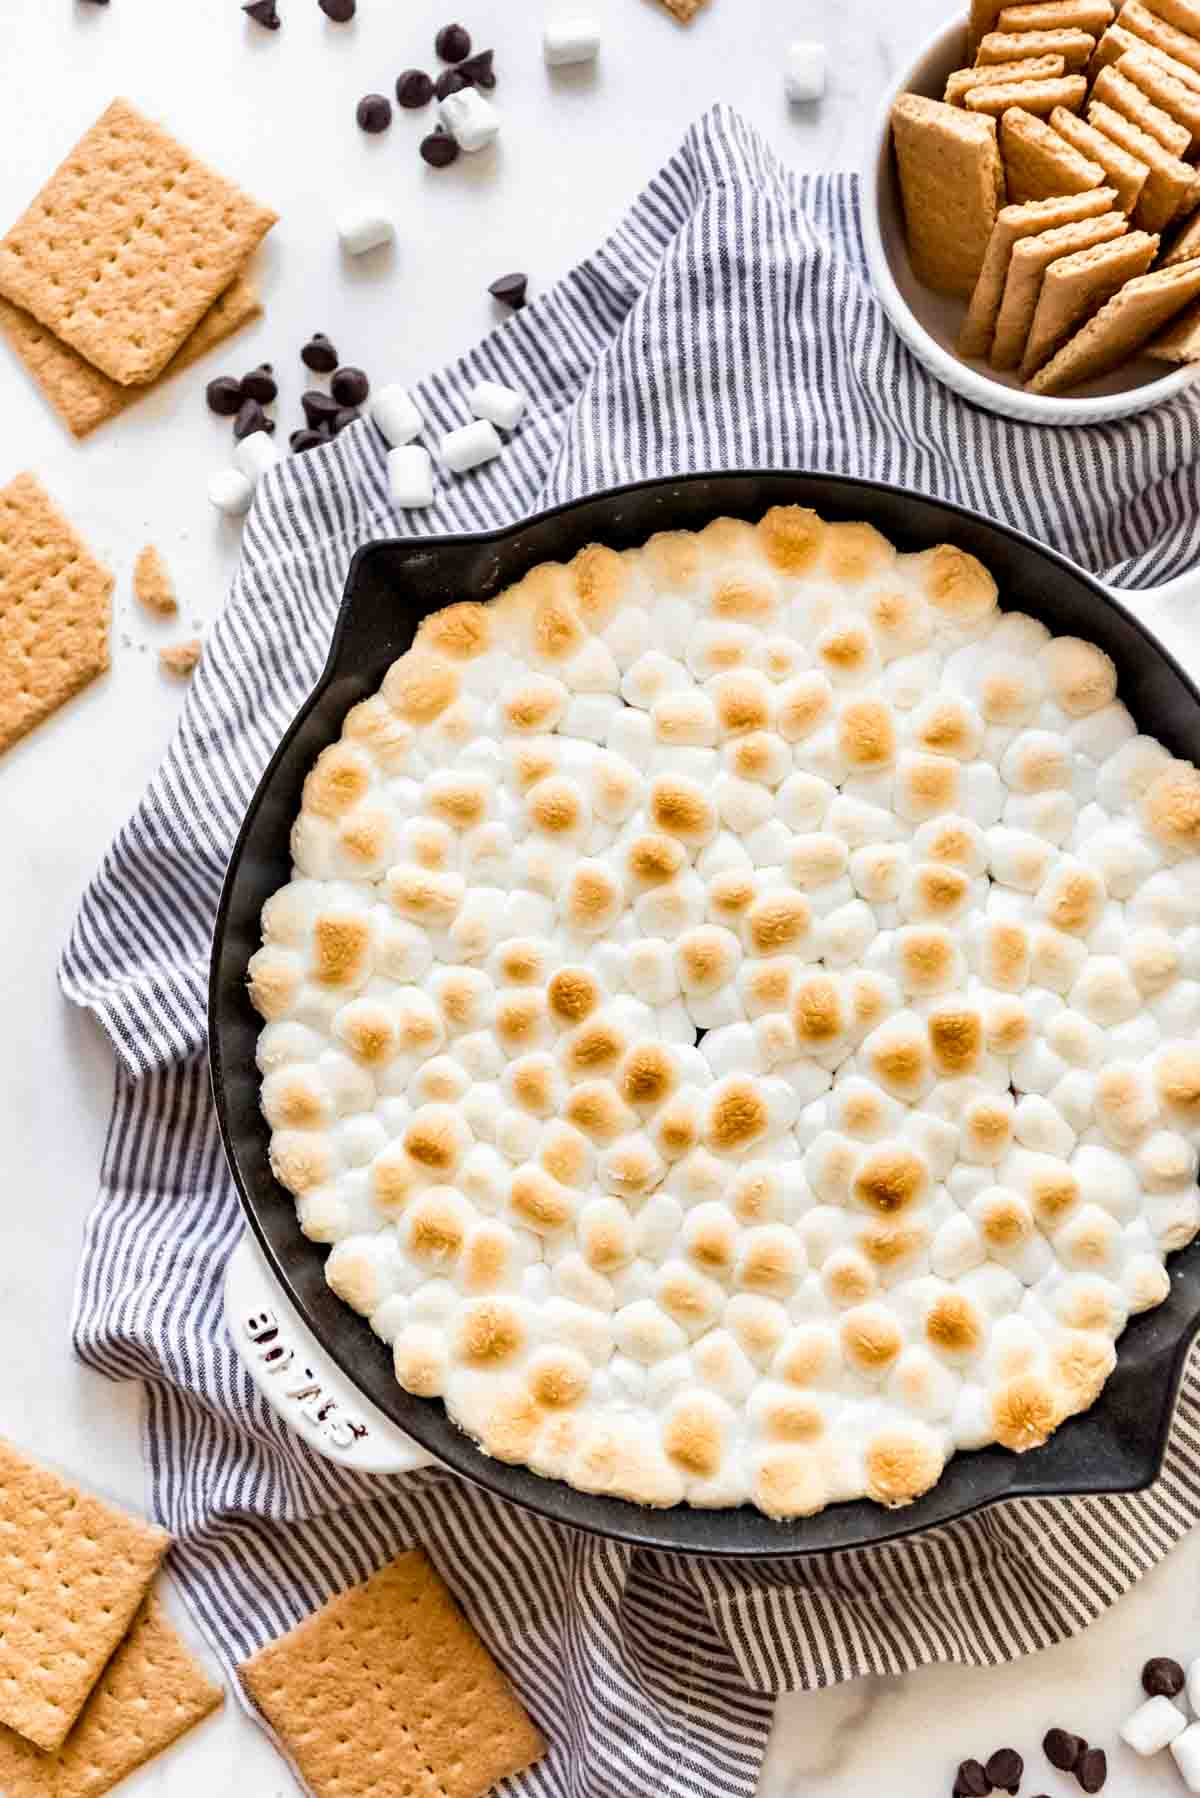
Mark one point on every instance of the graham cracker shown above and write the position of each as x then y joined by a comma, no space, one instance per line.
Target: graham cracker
73,1569
1092,16
1125,173
1183,246
387,1690
981,19
54,611
1075,47
1118,91
1144,23
1115,43
1180,342
1179,71
128,245
152,1691
1169,181
952,185
1038,97
1030,259
1038,164
1037,68
1014,223
1184,15
1135,314
683,10
1075,287
152,584
85,398
1175,98
181,659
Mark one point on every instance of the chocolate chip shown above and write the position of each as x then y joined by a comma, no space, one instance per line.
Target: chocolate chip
374,112
1162,1678
224,396
1062,1749
449,82
263,12
509,290
260,385
299,441
478,69
971,1781
1004,1769
439,149
452,43
319,408
349,387
1091,1769
340,11
413,89
319,354
251,417
345,415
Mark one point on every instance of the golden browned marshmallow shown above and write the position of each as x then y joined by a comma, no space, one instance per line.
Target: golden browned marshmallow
744,702
1072,899
566,1154
460,800
1153,960
900,620
1004,955
1008,695
871,1339
681,808
341,949
754,1195
534,1084
558,1378
746,598
594,1048
420,686
956,1038
986,1127
294,1099
647,1076
490,1334
791,1482
851,553
791,1417
429,844
539,1202
1171,808
688,1297
674,560
389,739
926,785
420,1360
810,1354
1054,1194
1003,1219
867,735
601,578
1080,677
937,893
631,1167
927,958
521,1022
535,704
424,896
890,1180
595,1107
902,1465
706,959
848,1278
1177,1083
1037,762
791,537
803,705
778,922
710,1238
954,1326
676,1128
730,895
462,631
761,755
694,1434
1080,1363
846,651
300,1160
339,778
650,860
899,1056
956,585
366,838
593,900
435,1227
767,985
818,1012
557,807
770,1260
1025,1412
737,1117
948,726
370,1031
436,1140
488,1258
606,1235
686,717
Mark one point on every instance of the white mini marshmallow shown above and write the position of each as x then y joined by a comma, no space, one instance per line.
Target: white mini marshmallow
395,412
805,69
470,119
255,454
471,444
410,476
502,405
230,492
1186,1750
361,228
574,38
1153,1726
1193,1685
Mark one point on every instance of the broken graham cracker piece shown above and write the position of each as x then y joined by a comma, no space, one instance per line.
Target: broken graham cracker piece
85,398
1075,287
152,1691
1092,16
1075,47
1126,174
952,186
1141,22
1116,90
152,584
1178,99
387,1690
1038,164
1135,314
1012,224
54,613
1169,181
128,245
73,1569
1030,259
1037,68
181,659
1038,97
683,10
1180,342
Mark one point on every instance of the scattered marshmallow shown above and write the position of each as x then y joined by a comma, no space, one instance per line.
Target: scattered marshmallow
470,119
361,229
1153,1726
255,454
570,39
805,69
395,412
471,445
503,406
230,491
410,475
1186,1750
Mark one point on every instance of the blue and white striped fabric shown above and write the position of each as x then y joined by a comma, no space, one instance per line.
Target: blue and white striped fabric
727,323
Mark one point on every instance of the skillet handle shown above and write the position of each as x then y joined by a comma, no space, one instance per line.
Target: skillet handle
297,1379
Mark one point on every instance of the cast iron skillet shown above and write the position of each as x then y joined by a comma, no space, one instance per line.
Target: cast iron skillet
1118,1445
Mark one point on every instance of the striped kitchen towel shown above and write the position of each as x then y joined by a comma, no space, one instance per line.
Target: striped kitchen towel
728,322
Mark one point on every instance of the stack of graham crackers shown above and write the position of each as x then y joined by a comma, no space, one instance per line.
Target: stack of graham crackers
94,1681
128,266
1056,187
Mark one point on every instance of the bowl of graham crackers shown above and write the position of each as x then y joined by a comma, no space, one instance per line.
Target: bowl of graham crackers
1031,206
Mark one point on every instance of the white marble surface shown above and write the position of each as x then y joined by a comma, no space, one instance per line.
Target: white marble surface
276,111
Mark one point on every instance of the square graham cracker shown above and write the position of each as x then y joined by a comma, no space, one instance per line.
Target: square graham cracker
85,398
1075,47
1038,163
1178,99
387,1692
1075,287
1141,21
151,1693
1180,342
1038,97
1170,179
1014,223
73,1569
1135,314
1036,68
128,245
1123,172
1092,16
1027,266
952,186
1124,96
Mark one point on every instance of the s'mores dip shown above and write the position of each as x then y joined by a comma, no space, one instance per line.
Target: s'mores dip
735,1017
1054,187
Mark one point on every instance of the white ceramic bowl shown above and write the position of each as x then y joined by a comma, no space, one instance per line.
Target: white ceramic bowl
929,322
